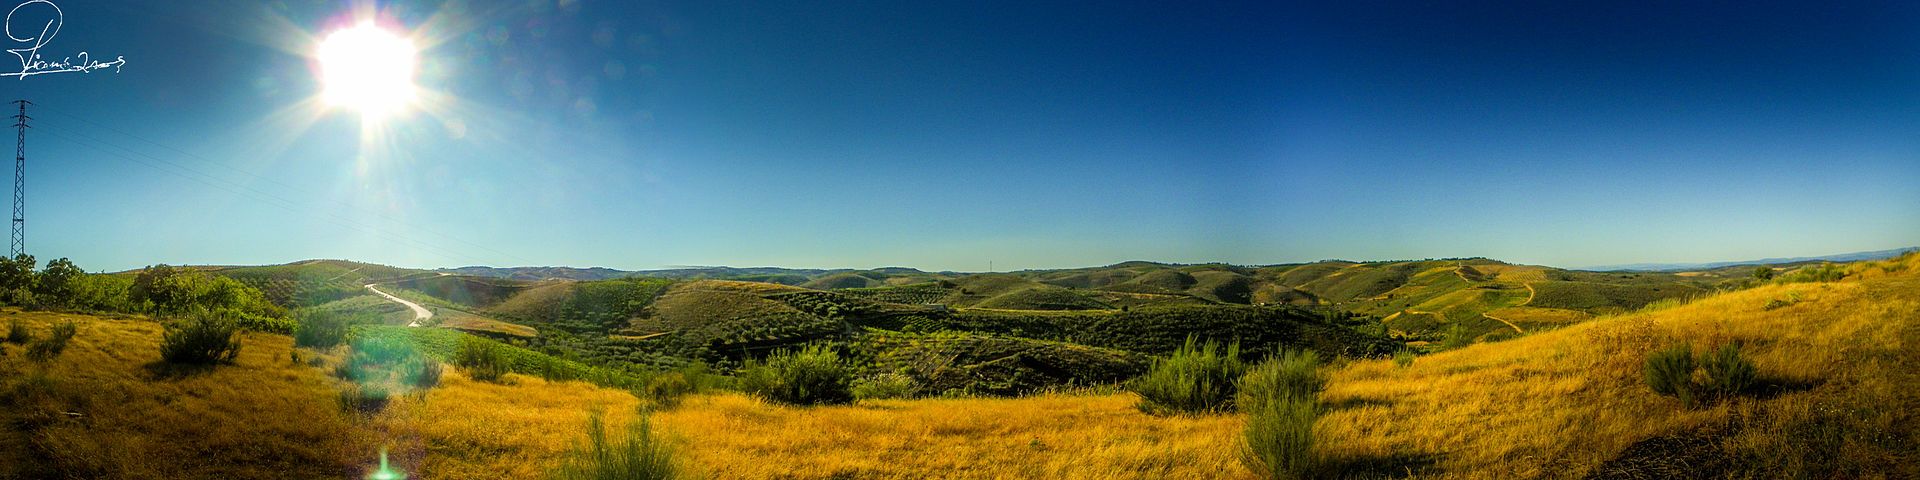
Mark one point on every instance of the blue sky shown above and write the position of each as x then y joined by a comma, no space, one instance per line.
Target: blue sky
947,135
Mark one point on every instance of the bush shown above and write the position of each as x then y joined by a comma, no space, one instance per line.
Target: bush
201,337
640,456
1193,380
1280,397
50,347
1727,373
812,375
1293,375
17,332
421,372
666,389
1670,372
483,360
1403,358
885,386
320,329
364,398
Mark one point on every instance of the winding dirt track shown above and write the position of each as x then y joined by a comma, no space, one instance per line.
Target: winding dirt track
420,314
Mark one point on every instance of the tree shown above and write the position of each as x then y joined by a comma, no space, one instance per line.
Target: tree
16,278
58,283
1763,273
152,286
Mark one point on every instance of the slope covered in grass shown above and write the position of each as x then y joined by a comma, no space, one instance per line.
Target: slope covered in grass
107,408
1835,369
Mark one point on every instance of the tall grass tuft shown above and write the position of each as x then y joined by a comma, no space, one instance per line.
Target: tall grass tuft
201,337
639,456
17,332
56,342
1197,378
483,360
812,375
1280,397
1670,372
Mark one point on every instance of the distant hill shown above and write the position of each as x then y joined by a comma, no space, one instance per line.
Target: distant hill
540,273
1682,267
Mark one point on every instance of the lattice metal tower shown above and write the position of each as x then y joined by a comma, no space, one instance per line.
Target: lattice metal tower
20,180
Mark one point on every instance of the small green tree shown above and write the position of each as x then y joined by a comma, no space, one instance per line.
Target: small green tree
1281,399
1727,372
1670,372
483,360
319,329
639,456
812,375
58,284
1763,273
1197,378
202,337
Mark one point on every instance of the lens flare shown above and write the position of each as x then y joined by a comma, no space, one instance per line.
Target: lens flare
368,69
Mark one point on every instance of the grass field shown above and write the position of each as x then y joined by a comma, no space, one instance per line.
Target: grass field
1833,400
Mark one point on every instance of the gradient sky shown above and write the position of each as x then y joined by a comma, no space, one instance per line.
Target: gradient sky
947,135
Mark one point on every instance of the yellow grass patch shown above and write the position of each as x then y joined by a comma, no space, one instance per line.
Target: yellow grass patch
1049,436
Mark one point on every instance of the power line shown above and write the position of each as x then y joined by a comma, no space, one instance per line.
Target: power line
217,165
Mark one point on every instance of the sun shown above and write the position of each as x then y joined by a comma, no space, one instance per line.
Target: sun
368,69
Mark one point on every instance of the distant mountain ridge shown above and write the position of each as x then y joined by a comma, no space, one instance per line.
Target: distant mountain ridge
1675,267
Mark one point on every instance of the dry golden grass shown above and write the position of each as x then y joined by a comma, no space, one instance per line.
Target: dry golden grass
1560,403
1049,436
471,429
107,409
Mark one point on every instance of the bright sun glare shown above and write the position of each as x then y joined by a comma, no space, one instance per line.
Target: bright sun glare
367,69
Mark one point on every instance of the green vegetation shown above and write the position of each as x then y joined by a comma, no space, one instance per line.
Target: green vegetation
46,348
17,332
1669,372
1195,379
885,386
1281,400
811,375
483,360
1825,272
639,456
961,363
201,337
1727,372
320,329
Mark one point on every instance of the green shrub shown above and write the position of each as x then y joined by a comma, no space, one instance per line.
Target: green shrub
47,348
264,323
17,332
1727,373
666,389
1195,379
885,386
1457,337
201,337
1403,358
1293,375
1670,372
364,398
421,372
1280,397
639,456
320,329
483,360
812,375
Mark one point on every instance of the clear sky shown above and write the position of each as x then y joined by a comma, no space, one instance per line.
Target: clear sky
947,135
